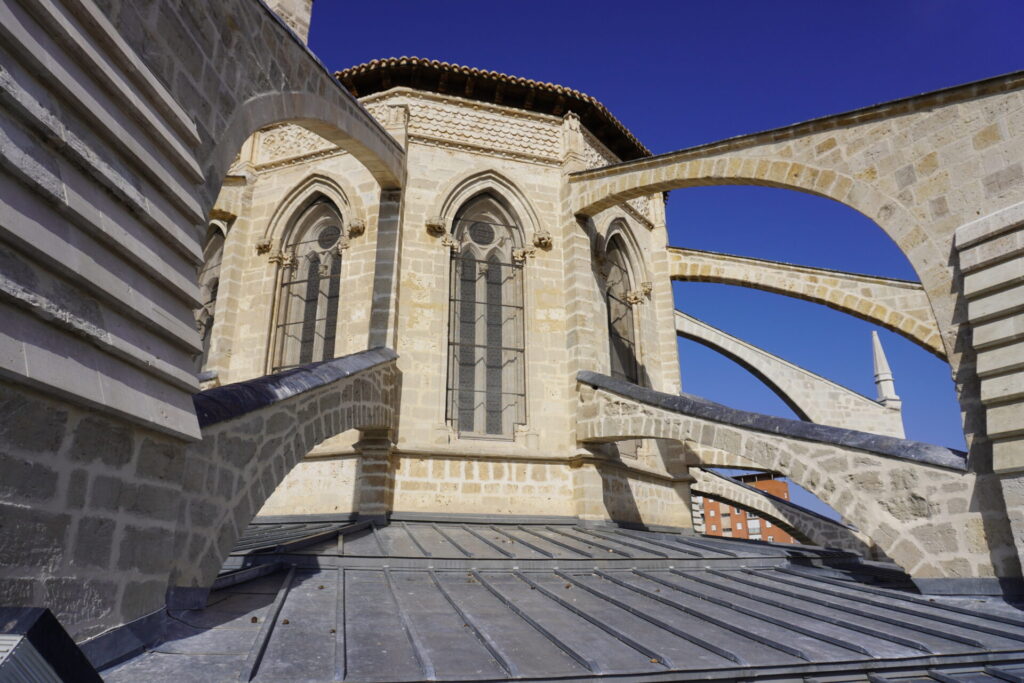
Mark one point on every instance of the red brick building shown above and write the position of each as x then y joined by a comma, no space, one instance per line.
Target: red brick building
720,519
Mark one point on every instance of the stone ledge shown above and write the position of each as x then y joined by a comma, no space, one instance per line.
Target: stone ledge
701,408
234,400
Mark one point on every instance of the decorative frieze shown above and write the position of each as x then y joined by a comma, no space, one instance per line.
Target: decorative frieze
289,143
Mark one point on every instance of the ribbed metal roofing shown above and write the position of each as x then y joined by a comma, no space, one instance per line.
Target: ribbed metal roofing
449,601
493,87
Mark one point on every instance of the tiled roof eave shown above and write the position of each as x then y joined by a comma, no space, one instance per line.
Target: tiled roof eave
590,105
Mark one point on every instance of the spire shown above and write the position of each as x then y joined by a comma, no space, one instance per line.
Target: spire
883,375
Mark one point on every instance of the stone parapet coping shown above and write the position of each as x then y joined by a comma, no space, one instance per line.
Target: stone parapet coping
695,406
234,400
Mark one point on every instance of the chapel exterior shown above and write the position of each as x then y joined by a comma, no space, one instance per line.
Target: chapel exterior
498,306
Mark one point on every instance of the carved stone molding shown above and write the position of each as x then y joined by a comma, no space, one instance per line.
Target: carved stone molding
542,239
356,228
447,241
521,255
289,141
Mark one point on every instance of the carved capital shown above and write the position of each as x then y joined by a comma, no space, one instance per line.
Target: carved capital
435,226
356,228
520,255
634,297
447,241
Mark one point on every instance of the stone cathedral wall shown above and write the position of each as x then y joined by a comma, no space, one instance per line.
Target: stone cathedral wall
454,146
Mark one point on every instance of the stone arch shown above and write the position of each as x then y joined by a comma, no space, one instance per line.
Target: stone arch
339,121
898,493
806,525
304,193
601,189
459,191
254,433
621,228
811,397
899,306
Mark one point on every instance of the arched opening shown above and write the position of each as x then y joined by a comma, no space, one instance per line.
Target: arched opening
832,344
486,334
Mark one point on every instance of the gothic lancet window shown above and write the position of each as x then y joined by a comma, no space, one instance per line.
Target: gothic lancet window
310,288
209,282
622,347
486,358
621,325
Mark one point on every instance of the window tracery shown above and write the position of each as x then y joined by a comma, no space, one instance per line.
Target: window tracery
310,288
486,355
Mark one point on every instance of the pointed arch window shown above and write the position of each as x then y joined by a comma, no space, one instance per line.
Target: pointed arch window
310,288
486,356
621,324
209,283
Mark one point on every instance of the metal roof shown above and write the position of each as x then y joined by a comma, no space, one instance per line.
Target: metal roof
445,601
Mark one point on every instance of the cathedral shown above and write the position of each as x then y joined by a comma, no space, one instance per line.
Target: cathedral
373,375
489,325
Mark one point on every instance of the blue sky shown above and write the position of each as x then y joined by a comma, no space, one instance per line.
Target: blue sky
678,74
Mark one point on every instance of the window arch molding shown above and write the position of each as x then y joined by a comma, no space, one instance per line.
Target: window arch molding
454,196
283,220
622,273
621,228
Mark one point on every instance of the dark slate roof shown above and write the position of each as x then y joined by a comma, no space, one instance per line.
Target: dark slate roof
476,601
704,409
482,85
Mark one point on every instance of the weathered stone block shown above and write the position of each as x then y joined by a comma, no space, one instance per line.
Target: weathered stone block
93,542
26,481
146,550
30,424
100,440
32,538
160,460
